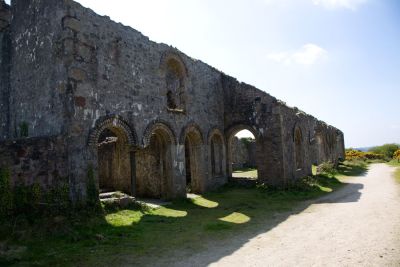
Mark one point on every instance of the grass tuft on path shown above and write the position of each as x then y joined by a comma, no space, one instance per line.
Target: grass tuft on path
190,224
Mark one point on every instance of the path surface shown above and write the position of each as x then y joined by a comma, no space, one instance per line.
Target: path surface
358,225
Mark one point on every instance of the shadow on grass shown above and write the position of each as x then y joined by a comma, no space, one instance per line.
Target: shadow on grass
175,232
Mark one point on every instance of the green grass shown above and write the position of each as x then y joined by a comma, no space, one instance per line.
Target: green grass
138,233
245,172
396,163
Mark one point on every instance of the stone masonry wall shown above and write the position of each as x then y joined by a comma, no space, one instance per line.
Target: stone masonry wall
35,160
5,57
75,74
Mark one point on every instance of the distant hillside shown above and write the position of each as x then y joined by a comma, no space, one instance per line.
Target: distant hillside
364,149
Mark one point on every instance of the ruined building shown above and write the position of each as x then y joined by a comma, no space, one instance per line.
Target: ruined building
80,92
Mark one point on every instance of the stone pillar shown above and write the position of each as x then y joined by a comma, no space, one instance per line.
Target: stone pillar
270,160
178,185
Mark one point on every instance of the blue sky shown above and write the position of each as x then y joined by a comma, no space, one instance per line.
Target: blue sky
338,60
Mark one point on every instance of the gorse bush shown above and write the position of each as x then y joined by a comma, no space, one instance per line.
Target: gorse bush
396,155
352,154
387,150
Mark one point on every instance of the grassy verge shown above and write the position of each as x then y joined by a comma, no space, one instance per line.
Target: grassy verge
352,168
396,163
139,233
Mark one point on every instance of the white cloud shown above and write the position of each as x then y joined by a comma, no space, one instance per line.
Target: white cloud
333,4
308,54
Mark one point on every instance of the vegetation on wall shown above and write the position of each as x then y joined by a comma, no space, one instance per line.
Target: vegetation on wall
6,198
91,188
24,129
31,200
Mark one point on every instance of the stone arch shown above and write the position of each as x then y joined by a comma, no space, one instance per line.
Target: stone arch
154,162
158,126
230,133
175,75
112,140
192,139
190,127
217,153
298,147
115,122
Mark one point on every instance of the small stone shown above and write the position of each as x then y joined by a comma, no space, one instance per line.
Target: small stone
77,74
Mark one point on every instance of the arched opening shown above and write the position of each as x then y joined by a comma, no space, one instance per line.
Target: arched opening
298,145
154,166
114,165
242,151
217,155
193,161
175,83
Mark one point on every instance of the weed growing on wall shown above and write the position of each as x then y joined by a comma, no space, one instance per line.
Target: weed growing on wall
6,198
91,188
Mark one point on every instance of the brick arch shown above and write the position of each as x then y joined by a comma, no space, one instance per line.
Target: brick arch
158,125
191,127
113,122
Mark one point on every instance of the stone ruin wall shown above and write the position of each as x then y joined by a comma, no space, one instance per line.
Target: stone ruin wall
69,74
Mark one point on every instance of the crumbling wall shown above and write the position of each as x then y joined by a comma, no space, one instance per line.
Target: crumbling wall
40,160
74,73
38,81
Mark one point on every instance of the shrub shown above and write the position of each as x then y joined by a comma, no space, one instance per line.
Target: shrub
387,150
326,168
359,155
396,155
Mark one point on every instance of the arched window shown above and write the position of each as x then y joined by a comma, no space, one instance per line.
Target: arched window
175,85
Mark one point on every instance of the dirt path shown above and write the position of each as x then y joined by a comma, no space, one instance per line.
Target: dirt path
358,225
